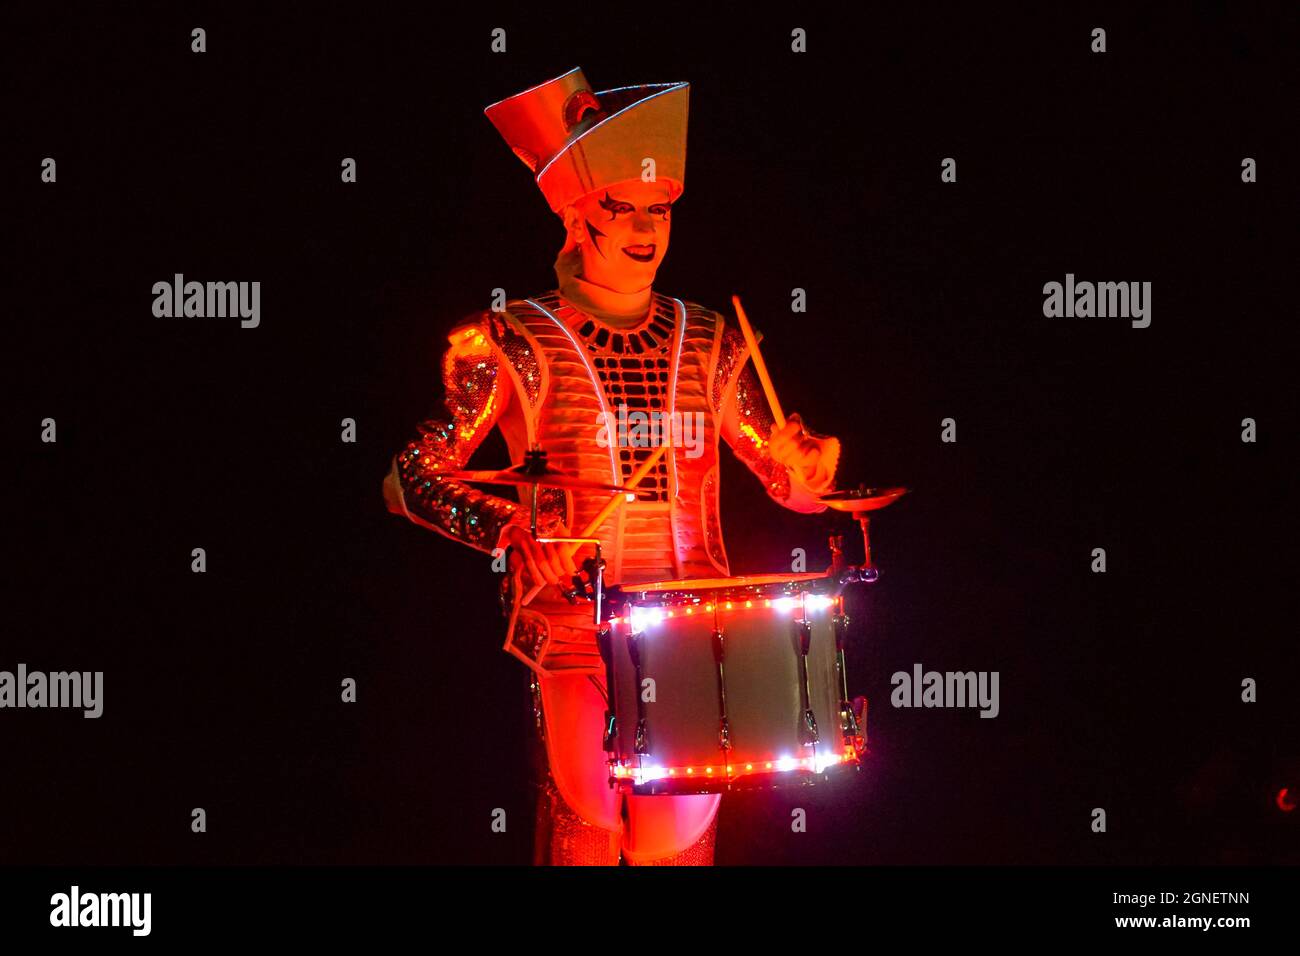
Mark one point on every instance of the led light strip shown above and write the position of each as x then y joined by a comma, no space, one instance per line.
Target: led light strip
641,617
818,764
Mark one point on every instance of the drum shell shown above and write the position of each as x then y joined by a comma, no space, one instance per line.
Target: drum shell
763,688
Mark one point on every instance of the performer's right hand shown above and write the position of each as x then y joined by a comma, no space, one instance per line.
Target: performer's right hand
540,563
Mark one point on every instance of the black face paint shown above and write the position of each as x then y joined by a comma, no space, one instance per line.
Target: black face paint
596,236
608,204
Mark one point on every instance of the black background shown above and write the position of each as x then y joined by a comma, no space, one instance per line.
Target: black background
818,171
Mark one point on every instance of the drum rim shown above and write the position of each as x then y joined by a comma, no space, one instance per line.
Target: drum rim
731,583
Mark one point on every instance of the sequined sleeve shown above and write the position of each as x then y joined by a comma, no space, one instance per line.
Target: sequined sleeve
477,391
746,425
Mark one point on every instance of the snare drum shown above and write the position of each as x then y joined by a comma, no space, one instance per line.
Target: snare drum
728,683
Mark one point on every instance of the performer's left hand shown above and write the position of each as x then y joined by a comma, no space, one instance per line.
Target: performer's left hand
811,457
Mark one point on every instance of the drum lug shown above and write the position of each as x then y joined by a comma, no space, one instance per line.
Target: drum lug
808,734
642,745
803,630
840,625
848,722
610,739
724,724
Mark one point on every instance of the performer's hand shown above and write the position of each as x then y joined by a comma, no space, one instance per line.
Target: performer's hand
811,457
540,563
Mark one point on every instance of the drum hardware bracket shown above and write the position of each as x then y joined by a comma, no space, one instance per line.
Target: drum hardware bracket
859,713
589,582
854,574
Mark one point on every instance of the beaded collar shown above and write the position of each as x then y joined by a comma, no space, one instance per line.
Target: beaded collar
652,334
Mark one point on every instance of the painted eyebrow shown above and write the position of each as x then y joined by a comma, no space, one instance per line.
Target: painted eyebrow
609,202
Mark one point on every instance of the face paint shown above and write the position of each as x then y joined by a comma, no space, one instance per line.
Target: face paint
596,235
628,225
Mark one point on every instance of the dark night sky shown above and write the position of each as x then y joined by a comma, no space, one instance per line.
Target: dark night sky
818,171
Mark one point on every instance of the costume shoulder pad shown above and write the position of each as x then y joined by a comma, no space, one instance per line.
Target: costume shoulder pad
476,323
702,313
506,331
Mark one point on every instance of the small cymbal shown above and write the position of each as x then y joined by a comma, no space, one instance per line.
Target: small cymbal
531,474
862,499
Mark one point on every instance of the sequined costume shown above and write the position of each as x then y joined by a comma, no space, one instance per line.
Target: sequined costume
545,371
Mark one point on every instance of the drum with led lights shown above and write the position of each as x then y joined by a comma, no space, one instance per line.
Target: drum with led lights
729,683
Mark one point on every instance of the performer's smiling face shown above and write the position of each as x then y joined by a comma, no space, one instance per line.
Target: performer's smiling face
623,232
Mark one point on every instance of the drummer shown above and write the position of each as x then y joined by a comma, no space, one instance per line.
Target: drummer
546,371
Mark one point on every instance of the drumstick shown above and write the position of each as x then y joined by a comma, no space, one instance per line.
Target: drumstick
617,500
759,365
614,502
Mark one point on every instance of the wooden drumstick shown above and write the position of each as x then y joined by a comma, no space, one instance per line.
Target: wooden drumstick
618,500
614,502
759,365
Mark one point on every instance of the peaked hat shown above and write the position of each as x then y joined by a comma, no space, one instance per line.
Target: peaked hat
576,141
